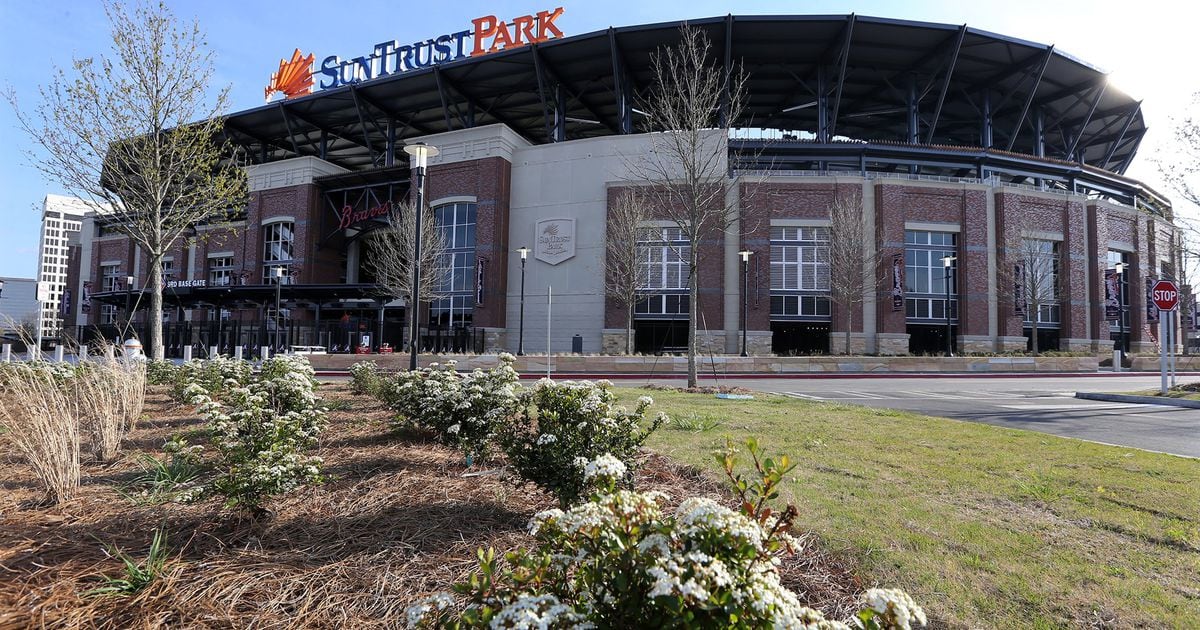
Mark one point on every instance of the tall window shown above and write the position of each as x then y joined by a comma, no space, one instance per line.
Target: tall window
800,273
925,275
456,222
278,242
1041,282
168,270
664,253
110,280
220,271
1114,257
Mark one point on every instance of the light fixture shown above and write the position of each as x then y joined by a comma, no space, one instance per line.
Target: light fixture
948,261
745,254
421,153
524,251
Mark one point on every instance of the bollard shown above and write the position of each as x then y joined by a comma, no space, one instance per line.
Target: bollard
237,353
6,353
110,353
213,351
266,352
187,353
82,355
58,354
1116,360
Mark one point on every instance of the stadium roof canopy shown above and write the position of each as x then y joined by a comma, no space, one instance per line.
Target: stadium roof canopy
819,77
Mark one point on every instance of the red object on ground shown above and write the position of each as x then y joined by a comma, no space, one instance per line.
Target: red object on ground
362,350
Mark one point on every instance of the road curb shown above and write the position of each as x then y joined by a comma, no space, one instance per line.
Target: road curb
1145,400
810,375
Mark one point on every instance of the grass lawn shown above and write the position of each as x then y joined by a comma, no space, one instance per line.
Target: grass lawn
984,526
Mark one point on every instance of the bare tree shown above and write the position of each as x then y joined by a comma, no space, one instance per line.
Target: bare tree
140,131
688,113
1034,277
850,264
390,255
625,276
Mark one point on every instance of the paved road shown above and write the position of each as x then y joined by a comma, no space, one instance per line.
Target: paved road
1038,403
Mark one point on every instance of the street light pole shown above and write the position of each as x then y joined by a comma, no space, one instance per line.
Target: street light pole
521,331
128,316
745,254
420,154
277,273
947,262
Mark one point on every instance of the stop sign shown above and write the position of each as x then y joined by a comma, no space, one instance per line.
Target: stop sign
1165,295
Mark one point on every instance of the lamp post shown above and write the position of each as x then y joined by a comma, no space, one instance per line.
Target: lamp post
947,265
128,316
420,154
1120,267
745,254
524,251
277,273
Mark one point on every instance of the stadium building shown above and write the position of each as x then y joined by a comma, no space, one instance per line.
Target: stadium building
954,142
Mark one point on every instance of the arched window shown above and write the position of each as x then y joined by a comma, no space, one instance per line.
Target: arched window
278,242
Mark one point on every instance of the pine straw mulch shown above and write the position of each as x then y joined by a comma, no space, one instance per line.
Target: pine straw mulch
399,518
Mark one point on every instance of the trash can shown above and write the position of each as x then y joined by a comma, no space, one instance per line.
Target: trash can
577,344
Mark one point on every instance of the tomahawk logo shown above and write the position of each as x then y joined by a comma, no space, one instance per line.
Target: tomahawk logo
294,77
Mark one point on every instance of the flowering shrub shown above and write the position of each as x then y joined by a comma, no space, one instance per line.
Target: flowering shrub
259,433
464,410
365,378
566,424
161,372
213,376
620,561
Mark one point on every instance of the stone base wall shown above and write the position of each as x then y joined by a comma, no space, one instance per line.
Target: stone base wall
858,343
891,344
1079,345
612,341
1143,347
1012,344
969,344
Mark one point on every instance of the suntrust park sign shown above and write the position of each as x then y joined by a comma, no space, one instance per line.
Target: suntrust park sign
486,35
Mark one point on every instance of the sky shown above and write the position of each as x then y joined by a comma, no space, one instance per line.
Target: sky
1149,47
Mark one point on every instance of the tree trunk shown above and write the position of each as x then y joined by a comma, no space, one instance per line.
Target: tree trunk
154,281
693,313
629,329
1033,326
849,322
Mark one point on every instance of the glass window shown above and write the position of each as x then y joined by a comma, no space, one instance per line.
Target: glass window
1041,281
663,254
800,273
110,280
456,304
220,271
927,280
278,242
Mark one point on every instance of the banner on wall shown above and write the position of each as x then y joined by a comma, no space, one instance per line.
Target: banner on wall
85,300
898,282
1019,297
1112,295
1151,309
479,266
64,309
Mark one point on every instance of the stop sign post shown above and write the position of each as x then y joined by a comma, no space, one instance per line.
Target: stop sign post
1165,296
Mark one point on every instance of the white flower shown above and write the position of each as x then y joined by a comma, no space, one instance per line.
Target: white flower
645,400
605,467
896,606
454,428
546,438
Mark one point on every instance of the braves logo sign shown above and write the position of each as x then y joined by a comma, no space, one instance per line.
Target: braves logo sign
294,77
